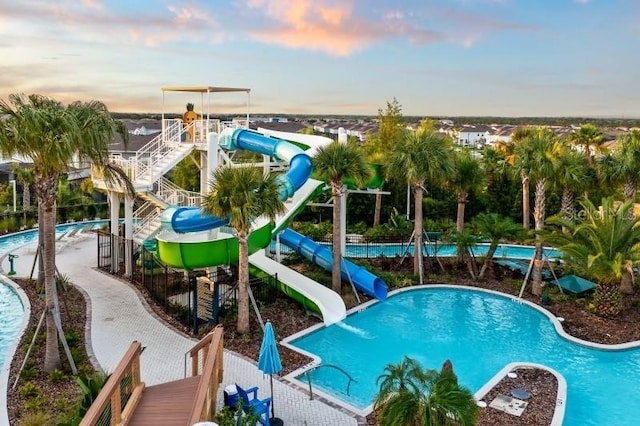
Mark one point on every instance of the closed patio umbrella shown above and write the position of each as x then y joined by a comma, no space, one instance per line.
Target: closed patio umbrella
269,362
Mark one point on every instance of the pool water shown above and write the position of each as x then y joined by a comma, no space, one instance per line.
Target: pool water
12,241
480,333
371,250
11,316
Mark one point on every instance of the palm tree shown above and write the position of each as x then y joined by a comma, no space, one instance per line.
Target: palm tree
335,163
498,230
465,244
243,194
622,165
467,176
410,395
52,136
572,176
538,154
604,244
589,139
421,157
515,155
25,176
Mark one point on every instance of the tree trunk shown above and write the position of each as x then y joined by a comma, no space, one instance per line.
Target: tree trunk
626,284
48,223
525,200
538,216
378,210
26,201
243,283
629,190
487,260
417,235
462,201
566,207
336,279
41,215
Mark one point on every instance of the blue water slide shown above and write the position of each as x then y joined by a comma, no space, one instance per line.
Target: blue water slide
194,219
364,280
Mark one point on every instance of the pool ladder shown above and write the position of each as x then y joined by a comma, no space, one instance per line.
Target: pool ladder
351,379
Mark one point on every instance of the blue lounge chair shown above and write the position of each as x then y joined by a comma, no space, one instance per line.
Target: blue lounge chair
251,403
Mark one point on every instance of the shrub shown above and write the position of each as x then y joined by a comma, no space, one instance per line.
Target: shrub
35,419
56,375
29,390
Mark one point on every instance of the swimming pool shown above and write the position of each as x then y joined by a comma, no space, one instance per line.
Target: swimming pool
13,320
480,332
12,241
372,250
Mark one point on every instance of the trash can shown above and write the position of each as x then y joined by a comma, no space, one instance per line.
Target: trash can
231,396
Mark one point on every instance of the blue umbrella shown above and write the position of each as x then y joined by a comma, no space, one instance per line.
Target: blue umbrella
269,358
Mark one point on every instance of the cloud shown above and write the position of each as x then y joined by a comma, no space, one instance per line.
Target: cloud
333,27
582,1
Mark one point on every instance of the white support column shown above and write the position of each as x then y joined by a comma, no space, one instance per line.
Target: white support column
114,200
204,172
128,235
212,159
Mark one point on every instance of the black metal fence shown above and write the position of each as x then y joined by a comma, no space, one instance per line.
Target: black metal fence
192,298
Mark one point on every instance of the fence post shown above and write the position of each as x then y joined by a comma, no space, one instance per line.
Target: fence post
215,305
194,284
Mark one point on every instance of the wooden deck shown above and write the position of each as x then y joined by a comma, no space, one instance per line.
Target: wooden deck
124,400
166,404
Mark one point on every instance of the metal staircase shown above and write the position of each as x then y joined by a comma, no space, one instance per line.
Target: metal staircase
146,170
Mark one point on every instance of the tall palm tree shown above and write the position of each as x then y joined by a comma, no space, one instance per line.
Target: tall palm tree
572,176
52,136
335,163
423,156
409,395
515,155
589,139
243,194
498,230
604,244
622,165
467,176
25,176
538,155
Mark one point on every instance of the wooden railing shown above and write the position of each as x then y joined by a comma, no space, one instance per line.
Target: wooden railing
211,348
118,398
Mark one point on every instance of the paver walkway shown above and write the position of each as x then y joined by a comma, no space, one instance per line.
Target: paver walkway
120,316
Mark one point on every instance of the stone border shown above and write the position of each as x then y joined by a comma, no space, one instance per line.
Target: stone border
291,377
6,367
561,396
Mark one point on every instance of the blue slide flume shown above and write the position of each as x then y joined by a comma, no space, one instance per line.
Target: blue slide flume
364,280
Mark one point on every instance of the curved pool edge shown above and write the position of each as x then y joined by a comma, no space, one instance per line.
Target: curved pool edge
316,360
561,396
554,319
6,367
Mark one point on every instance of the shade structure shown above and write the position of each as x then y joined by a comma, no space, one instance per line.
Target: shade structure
269,358
575,284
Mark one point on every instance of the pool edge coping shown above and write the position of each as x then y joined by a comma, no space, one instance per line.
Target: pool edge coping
316,360
6,367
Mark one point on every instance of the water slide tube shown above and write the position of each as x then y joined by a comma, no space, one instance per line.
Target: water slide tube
364,280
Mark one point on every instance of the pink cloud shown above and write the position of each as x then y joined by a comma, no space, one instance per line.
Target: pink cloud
329,26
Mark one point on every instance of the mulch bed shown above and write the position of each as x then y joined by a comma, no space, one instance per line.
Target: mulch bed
541,384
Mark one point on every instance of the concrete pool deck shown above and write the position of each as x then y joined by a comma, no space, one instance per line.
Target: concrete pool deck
119,315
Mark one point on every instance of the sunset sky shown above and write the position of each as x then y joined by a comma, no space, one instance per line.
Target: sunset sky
436,57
